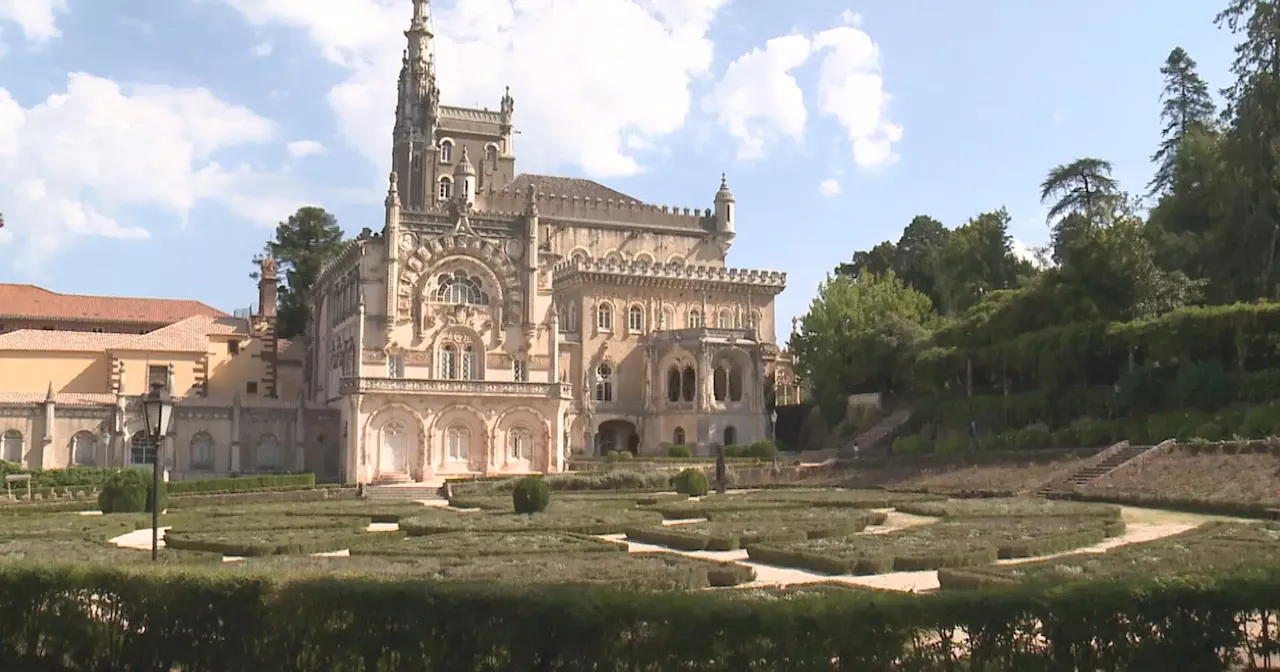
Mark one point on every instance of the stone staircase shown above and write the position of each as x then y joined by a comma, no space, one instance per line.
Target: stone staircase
1116,457
383,491
871,439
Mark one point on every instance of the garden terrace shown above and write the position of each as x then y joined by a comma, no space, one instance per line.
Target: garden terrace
643,571
1216,547
471,544
777,500
945,544
1233,477
728,531
557,517
985,480
595,500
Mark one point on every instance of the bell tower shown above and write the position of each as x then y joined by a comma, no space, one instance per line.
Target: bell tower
413,145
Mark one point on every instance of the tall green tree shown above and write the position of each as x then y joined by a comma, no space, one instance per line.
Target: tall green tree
1187,108
1251,194
978,259
918,253
879,260
1078,194
302,245
859,334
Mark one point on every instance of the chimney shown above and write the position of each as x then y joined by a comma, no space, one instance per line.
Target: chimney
268,285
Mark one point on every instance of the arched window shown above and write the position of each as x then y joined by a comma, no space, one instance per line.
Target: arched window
449,362
604,382
446,187
469,369
725,319
730,436
695,318
268,452
644,259
754,321
457,443
604,316
458,288
569,317
142,450
689,383
735,383
677,437
202,451
720,382
12,446
673,384
635,319
520,443
82,448
446,151
491,153
519,370
579,257
666,318
394,447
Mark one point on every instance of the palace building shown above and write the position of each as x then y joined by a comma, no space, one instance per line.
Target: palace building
501,321
497,324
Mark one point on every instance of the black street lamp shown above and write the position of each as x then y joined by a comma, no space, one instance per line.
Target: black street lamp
157,412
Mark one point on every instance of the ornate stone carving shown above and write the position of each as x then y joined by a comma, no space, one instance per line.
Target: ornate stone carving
428,255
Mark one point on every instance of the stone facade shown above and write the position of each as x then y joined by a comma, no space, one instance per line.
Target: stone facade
500,322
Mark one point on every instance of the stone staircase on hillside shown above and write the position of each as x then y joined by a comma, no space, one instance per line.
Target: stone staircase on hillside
404,492
869,440
1092,472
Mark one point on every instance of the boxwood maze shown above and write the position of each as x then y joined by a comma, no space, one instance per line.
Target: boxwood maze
248,543
960,543
562,517
470,544
1211,548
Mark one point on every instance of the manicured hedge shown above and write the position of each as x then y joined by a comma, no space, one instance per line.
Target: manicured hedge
378,512
243,484
69,477
70,549
248,543
703,507
604,480
256,521
557,517
169,619
1012,507
71,525
946,544
854,499
474,544
732,534
583,499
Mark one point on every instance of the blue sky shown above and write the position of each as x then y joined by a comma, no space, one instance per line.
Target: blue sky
147,145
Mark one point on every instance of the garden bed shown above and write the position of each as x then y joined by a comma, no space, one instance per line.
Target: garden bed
731,530
945,544
59,550
1009,507
72,525
476,544
221,522
250,543
981,480
1215,547
643,571
595,499
853,499
557,517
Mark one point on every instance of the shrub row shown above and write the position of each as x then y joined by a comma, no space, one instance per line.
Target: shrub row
1011,507
70,549
608,480
734,532
483,544
243,484
174,619
1213,547
944,544
69,477
250,543
557,517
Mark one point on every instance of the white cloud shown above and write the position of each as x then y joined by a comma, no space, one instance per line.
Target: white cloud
759,98
69,163
299,149
262,49
587,75
851,88
36,18
829,187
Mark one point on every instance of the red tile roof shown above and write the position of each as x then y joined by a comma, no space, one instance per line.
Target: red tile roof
36,303
39,340
552,185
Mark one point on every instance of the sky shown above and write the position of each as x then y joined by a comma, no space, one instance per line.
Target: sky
148,147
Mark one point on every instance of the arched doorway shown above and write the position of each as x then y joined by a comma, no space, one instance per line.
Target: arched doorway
617,435
730,436
394,448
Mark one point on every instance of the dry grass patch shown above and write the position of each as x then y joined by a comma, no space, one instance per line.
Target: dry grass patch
1006,479
1183,472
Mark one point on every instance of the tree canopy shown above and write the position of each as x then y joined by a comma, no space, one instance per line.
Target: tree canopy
302,245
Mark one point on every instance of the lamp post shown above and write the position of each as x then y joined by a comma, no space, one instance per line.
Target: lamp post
157,412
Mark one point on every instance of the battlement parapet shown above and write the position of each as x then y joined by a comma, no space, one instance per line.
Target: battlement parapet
773,280
511,202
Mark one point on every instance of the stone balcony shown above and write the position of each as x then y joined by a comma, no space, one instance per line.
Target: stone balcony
707,333
460,388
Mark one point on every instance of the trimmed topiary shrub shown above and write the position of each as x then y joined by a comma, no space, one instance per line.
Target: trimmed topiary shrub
679,451
128,491
762,450
531,495
691,482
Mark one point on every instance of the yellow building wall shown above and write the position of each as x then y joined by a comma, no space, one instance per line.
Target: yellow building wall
228,374
185,366
33,372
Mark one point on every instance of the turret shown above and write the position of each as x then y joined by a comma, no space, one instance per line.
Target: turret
724,208
464,179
